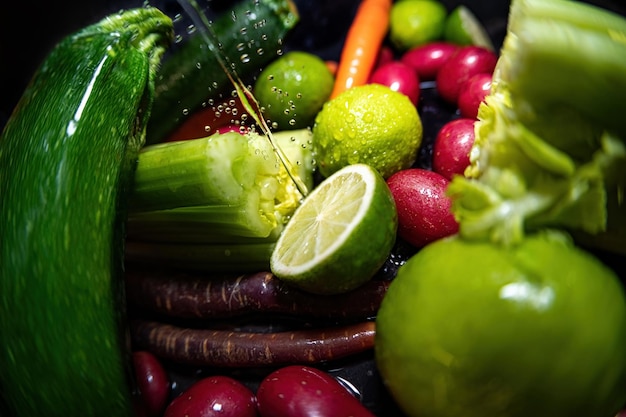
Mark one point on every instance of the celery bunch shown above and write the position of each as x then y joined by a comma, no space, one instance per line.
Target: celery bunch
218,202
550,148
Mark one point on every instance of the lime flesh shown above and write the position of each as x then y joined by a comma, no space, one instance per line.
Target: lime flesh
340,235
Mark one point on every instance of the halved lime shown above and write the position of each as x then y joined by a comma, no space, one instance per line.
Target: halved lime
462,27
340,235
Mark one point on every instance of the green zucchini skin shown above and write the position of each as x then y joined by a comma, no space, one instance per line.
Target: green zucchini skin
67,157
250,36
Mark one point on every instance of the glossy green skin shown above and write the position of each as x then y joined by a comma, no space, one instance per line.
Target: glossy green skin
250,36
66,161
473,330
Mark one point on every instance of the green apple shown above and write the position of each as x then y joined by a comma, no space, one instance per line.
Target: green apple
472,329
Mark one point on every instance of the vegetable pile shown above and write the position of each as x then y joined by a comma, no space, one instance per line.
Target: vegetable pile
520,166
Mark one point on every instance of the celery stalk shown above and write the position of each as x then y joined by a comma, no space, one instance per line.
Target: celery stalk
226,193
215,258
551,137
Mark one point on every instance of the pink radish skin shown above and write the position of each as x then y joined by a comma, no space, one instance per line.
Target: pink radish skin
423,207
214,396
460,67
153,383
385,55
399,77
452,146
473,92
301,391
427,59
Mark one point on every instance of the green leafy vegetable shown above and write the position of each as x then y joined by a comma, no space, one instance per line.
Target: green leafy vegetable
550,140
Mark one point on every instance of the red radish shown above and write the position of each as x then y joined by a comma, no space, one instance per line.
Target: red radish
152,381
473,92
399,77
302,391
423,207
452,146
385,55
462,65
214,396
427,59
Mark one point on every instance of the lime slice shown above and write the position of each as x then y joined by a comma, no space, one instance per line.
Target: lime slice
462,27
340,235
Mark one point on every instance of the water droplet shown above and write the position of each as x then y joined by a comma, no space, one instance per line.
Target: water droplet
245,58
198,65
241,46
368,117
292,122
185,112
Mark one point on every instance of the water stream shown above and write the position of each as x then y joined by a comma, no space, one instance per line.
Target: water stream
248,101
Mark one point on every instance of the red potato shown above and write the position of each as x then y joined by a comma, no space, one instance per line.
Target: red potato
452,147
423,207
153,383
301,391
473,92
466,62
214,396
427,59
399,77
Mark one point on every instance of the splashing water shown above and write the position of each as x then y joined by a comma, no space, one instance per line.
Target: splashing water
248,101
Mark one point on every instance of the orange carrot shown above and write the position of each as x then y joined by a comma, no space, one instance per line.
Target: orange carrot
363,41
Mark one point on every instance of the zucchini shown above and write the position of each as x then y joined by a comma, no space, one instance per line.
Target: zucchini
250,36
67,156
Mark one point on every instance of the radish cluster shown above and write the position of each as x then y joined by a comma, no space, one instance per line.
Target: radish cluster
462,78
289,391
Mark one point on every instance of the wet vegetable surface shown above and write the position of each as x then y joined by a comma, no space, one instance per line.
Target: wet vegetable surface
320,33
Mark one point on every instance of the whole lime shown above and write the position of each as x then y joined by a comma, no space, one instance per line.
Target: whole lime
473,329
370,124
416,22
292,89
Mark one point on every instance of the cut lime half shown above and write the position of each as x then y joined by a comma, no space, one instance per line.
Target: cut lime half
340,235
462,27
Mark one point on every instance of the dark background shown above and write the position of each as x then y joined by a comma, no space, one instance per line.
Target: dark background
29,30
